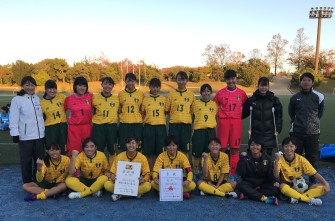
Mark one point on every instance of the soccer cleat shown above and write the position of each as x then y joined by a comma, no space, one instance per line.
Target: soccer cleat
98,194
315,202
272,200
294,200
202,193
74,195
231,194
115,197
139,196
30,197
186,195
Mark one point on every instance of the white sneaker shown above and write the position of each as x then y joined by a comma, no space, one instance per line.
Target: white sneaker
202,193
74,195
98,194
315,201
139,196
231,194
294,200
115,197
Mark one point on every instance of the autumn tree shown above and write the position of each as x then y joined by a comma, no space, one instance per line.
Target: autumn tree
276,51
21,69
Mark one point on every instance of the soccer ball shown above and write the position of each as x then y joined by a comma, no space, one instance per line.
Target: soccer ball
300,185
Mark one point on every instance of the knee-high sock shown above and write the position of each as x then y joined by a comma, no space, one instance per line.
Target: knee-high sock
196,164
290,192
190,187
234,158
144,188
206,188
314,192
95,187
41,196
111,159
109,186
74,184
154,185
226,188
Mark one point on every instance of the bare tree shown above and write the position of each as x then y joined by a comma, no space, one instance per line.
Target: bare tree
222,53
236,57
300,49
210,58
276,51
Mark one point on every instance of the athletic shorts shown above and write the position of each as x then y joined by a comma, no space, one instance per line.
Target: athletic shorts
87,182
105,135
153,139
76,135
126,130
46,185
229,131
183,134
200,141
56,133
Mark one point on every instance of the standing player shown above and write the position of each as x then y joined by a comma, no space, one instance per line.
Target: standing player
105,118
93,166
154,130
229,129
173,159
79,105
306,109
204,111
130,116
292,166
54,116
50,176
215,172
131,155
178,105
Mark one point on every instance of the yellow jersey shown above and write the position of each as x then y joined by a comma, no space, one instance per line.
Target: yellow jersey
218,167
130,106
91,168
204,114
56,172
179,105
153,109
106,109
53,110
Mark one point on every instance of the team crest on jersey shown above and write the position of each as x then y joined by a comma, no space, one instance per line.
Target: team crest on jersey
136,100
211,109
161,104
238,97
112,104
265,162
98,165
296,169
186,99
62,171
59,104
87,102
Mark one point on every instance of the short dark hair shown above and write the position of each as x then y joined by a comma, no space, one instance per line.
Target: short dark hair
287,140
308,75
86,141
204,86
229,74
252,139
131,138
155,82
80,81
108,79
26,79
50,84
131,76
171,139
183,75
263,81
5,108
215,139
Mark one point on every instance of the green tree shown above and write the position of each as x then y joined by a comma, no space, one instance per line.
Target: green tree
56,68
21,69
78,69
276,51
41,77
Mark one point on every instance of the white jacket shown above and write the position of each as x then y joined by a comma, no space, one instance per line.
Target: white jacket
26,117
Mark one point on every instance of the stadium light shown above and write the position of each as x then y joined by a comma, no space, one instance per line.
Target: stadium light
319,13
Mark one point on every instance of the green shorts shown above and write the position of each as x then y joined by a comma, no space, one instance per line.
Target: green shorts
126,130
200,140
56,133
183,134
153,139
46,185
105,135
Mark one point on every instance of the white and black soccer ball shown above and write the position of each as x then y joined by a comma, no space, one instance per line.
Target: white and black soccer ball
300,185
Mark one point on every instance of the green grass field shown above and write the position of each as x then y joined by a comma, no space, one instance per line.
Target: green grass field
9,151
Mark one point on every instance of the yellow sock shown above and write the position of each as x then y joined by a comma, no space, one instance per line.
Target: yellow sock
41,196
290,192
196,164
314,192
154,185
111,159
74,184
226,188
109,186
263,198
144,188
96,186
206,188
190,187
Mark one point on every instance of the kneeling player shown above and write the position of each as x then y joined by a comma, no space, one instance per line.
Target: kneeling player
215,169
173,159
93,166
131,155
292,166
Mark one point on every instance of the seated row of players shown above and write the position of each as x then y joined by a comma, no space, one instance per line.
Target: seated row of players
260,179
